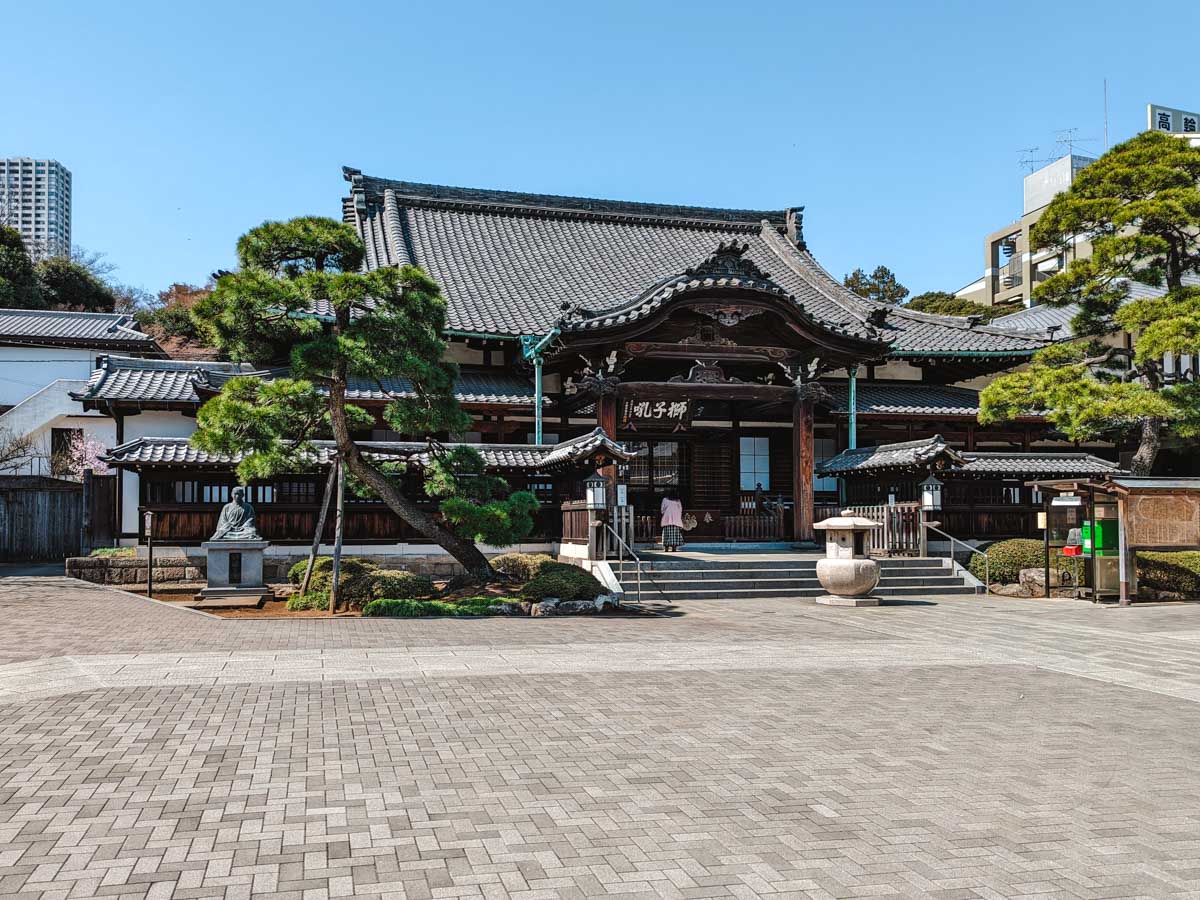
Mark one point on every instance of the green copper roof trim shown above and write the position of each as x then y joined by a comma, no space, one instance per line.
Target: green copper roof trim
482,335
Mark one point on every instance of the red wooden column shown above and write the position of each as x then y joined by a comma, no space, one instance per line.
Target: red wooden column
802,471
606,414
606,418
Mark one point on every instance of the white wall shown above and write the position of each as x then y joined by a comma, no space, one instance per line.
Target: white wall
152,423
26,370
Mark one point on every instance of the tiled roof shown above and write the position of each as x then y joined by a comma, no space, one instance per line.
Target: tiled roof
906,399
174,451
512,264
1036,463
888,456
145,380
141,380
1038,319
87,329
922,453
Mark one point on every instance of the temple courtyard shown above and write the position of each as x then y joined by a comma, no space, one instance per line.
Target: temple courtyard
952,748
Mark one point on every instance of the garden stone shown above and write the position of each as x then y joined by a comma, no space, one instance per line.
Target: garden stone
607,601
575,608
508,609
548,607
1035,579
1010,590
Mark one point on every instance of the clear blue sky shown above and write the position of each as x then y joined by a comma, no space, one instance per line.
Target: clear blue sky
898,125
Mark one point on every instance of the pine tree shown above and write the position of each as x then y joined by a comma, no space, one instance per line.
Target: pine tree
880,285
1139,206
372,326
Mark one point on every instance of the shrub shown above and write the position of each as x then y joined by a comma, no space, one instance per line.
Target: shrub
311,600
355,582
1177,572
564,581
1008,558
400,584
409,609
520,565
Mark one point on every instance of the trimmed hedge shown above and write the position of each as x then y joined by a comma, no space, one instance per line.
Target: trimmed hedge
520,565
411,609
401,584
1008,558
564,581
311,600
1177,572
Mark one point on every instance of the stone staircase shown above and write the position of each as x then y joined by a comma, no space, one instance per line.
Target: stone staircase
669,578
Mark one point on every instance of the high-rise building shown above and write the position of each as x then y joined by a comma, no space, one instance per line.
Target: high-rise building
35,199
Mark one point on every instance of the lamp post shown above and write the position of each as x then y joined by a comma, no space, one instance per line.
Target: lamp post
148,520
931,494
596,492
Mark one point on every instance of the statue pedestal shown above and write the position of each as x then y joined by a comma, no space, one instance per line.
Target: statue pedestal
235,574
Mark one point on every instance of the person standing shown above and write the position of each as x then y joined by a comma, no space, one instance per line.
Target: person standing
672,522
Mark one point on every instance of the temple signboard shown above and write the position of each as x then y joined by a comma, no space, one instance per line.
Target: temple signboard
669,414
1163,520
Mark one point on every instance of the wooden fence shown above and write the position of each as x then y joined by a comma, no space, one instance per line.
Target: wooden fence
41,519
902,533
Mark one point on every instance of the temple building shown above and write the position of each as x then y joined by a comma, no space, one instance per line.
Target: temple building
687,349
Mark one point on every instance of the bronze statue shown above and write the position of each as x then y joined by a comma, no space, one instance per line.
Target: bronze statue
237,520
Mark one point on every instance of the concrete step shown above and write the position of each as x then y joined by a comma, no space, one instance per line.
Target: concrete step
725,574
759,583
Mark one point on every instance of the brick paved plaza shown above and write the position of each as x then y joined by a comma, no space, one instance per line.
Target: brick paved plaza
968,748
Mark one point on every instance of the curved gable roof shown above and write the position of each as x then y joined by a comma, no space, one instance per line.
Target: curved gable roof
512,264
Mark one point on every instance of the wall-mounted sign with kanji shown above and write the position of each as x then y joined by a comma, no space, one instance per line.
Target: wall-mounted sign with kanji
669,414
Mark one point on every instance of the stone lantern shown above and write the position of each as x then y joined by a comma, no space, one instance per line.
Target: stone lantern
847,571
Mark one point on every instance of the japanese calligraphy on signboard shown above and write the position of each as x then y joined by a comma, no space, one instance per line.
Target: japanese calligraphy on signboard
1175,121
1172,520
669,414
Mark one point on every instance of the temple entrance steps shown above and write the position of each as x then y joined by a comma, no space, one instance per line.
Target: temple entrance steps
671,577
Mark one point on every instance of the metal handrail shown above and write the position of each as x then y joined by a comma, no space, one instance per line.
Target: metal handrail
987,566
621,557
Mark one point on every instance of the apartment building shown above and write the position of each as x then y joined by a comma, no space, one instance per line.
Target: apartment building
1012,269
35,199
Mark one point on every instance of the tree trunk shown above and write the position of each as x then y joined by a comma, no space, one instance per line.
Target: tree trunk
316,544
335,583
462,550
1148,447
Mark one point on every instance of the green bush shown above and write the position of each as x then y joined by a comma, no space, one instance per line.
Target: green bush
520,565
311,600
564,581
1008,558
411,609
400,584
1177,572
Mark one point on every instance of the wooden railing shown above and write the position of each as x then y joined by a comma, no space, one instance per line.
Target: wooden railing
902,531
766,525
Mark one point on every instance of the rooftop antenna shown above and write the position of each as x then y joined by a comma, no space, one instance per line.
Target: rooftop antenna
1069,137
1028,161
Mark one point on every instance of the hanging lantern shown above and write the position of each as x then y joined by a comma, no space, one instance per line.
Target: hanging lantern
931,494
596,487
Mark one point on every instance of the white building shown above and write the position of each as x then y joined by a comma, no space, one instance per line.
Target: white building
44,357
35,199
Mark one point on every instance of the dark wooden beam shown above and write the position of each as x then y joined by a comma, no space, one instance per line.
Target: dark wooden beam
802,470
749,391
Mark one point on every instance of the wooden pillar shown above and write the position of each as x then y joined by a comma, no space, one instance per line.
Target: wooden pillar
606,418
802,472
